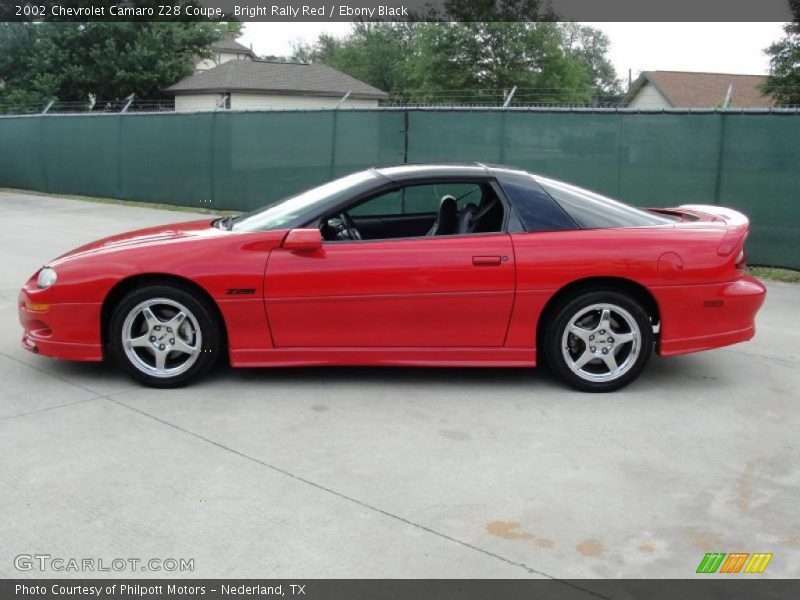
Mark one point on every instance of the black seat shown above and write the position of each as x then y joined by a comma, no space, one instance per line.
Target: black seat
446,222
467,219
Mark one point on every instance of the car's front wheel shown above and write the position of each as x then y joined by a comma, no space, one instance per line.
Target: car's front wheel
599,341
164,336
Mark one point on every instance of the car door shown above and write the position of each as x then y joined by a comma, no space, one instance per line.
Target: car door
449,291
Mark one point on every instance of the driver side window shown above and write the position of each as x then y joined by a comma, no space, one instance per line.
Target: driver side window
420,210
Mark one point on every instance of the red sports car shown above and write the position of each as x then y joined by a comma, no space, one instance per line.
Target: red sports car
434,265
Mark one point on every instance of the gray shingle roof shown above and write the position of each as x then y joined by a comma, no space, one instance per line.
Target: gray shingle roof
276,78
232,47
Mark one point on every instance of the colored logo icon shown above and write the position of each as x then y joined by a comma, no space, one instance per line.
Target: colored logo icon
735,562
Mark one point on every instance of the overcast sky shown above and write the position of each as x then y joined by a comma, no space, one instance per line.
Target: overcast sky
712,47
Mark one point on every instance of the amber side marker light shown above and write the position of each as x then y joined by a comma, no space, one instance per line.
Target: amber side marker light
37,307
713,303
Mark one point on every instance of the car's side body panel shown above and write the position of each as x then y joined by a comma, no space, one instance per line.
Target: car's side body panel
385,356
451,300
705,316
706,304
228,268
453,291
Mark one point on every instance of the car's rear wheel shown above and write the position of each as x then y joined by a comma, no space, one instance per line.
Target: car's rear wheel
599,341
164,336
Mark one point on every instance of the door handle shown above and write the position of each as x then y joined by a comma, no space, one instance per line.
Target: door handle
486,261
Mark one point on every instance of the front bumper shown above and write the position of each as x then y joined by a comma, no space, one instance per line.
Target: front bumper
67,331
703,317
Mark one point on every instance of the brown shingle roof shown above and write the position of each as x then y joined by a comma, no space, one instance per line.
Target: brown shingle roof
684,89
277,78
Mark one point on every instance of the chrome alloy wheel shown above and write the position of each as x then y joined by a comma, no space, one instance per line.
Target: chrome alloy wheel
601,342
161,337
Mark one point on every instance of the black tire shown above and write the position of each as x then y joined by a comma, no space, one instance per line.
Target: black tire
199,331
563,352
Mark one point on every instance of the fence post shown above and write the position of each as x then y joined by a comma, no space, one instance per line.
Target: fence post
43,152
333,143
405,136
720,158
213,159
620,146
502,150
119,156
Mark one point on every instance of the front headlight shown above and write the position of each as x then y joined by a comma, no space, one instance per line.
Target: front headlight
46,278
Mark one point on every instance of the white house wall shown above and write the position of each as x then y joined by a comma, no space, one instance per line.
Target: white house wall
202,102
648,97
278,101
196,102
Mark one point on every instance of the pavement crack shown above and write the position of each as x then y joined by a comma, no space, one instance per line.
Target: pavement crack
49,408
50,373
358,502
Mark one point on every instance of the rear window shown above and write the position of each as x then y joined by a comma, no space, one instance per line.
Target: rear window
593,211
534,207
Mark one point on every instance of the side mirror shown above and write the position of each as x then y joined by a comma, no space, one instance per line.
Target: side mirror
303,240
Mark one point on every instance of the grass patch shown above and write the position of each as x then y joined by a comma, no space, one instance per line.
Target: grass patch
775,274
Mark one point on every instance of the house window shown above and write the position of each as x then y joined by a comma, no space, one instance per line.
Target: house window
226,101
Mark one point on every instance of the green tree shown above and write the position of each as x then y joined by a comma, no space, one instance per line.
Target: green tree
589,46
475,51
783,83
68,61
470,62
485,60
378,53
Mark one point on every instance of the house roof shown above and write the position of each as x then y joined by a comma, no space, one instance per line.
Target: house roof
684,89
259,76
233,47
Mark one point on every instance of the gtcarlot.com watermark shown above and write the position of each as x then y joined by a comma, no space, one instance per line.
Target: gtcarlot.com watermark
59,564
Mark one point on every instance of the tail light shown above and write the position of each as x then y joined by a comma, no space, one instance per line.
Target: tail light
741,259
730,240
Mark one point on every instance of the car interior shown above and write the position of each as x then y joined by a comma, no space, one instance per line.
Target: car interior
422,210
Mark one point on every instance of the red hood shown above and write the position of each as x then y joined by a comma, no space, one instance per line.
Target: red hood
143,237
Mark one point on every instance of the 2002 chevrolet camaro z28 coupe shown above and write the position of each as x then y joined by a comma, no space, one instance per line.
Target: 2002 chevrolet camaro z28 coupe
457,265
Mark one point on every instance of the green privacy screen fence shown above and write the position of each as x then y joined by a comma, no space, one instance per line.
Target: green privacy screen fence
244,160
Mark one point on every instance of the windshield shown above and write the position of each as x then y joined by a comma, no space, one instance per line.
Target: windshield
286,212
593,211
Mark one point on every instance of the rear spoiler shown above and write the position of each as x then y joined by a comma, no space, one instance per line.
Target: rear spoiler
738,225
732,218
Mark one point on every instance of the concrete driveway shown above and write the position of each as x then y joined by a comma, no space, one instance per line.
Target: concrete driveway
357,472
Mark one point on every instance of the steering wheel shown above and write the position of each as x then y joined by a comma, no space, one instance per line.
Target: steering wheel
349,226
